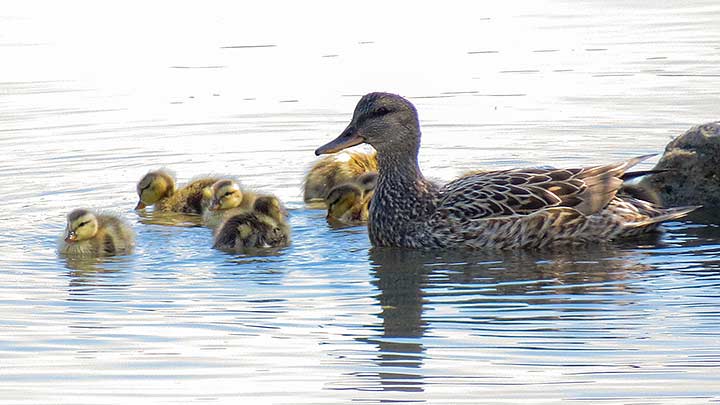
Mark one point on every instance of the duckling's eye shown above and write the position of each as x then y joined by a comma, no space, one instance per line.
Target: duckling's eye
229,193
81,224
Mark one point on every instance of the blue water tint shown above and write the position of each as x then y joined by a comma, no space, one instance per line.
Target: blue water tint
94,97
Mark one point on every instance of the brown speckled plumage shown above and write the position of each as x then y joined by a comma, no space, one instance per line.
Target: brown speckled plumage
520,208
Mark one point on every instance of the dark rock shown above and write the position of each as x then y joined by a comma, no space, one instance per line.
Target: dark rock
693,163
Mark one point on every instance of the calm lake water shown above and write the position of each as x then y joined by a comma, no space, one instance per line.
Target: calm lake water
93,95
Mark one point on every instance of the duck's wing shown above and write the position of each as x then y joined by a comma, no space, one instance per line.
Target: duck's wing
525,191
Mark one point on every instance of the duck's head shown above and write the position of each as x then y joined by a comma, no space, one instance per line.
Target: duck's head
270,206
385,121
81,225
153,187
225,194
341,199
367,181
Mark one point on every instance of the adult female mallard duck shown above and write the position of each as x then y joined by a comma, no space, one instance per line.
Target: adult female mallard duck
519,208
158,188
91,234
223,198
334,170
264,226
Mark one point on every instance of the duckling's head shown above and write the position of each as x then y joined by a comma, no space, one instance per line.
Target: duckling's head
342,198
270,206
81,225
367,181
385,121
225,194
153,187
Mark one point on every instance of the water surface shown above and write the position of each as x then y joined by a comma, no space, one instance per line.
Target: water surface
95,95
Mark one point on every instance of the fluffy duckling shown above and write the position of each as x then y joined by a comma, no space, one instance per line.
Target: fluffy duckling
91,234
346,205
367,182
334,170
158,188
264,226
225,197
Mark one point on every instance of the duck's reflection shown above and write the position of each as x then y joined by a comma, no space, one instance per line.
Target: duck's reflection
89,273
410,281
400,276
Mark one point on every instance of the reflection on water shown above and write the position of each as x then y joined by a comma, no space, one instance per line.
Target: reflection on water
508,290
400,276
512,312
88,106
169,218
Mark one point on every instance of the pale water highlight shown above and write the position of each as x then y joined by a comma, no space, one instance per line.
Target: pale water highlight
94,95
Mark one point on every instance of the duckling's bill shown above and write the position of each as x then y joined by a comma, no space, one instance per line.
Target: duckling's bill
71,237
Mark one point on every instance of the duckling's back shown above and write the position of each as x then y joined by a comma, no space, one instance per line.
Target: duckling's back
114,236
251,230
188,199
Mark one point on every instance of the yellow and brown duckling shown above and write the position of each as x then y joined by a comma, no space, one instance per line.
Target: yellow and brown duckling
367,182
89,234
224,198
334,170
265,226
158,188
346,205
506,209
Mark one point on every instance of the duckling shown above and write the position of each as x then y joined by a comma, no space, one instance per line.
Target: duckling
264,226
367,182
346,205
334,170
224,197
91,234
158,188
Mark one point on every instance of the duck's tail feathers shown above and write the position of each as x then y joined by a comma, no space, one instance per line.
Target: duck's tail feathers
668,214
639,173
632,162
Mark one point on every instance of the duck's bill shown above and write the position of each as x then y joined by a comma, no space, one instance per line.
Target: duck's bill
71,238
348,138
140,205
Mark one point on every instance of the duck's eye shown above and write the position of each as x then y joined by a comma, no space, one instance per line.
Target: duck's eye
81,224
228,194
381,111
